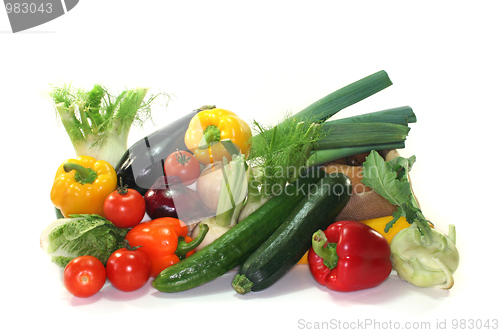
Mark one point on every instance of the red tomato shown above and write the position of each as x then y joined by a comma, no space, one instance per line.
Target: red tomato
84,276
184,165
128,269
125,208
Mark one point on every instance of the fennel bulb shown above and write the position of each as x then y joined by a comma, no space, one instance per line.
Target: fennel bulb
97,123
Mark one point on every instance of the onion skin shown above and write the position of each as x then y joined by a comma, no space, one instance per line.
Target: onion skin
168,197
208,185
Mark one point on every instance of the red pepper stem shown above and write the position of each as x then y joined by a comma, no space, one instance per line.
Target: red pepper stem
325,250
184,247
130,247
83,175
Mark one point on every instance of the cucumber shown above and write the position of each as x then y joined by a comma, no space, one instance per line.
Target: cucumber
233,247
286,246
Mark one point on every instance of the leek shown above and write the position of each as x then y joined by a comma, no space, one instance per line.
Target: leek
98,123
360,134
331,104
351,94
308,138
402,115
319,157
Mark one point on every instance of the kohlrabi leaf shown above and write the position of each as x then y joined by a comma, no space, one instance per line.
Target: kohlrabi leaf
402,166
420,255
381,177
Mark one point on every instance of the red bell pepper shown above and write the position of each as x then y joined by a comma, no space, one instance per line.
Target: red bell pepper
164,240
349,256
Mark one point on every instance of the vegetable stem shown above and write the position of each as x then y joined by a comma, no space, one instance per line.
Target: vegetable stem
70,122
97,125
82,175
233,191
344,97
322,156
184,247
325,250
360,134
93,105
401,115
211,134
241,284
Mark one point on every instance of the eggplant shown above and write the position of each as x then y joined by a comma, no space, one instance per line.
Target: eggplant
142,163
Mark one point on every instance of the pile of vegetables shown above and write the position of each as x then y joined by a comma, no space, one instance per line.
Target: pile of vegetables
209,193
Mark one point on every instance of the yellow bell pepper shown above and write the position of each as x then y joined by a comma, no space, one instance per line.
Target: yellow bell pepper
303,260
81,185
211,126
379,225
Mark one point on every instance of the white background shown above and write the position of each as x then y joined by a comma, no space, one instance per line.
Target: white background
259,59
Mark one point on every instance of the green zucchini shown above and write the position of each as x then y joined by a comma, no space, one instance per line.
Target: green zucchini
286,246
233,247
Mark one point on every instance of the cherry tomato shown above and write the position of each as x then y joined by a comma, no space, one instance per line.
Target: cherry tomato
128,269
125,208
184,165
84,276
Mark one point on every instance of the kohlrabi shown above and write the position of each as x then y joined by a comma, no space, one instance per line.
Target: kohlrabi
98,123
420,254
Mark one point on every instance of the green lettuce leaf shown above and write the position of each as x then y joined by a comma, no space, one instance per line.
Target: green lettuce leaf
79,235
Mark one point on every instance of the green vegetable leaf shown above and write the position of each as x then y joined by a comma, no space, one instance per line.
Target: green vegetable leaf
390,180
83,235
402,166
382,177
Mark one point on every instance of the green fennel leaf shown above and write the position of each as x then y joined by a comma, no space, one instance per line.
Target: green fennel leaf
281,152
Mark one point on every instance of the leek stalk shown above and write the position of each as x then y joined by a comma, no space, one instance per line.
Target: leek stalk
402,115
353,93
319,157
360,134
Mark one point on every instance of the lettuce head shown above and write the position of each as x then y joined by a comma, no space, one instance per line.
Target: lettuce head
85,234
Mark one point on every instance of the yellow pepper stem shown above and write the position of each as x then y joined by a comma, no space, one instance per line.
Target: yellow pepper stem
211,135
82,175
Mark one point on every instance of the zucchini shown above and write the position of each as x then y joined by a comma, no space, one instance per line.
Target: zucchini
286,246
234,246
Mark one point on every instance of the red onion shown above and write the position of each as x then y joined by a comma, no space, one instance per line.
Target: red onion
168,197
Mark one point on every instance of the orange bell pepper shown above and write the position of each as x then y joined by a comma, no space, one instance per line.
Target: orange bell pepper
81,185
207,130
